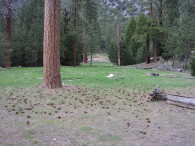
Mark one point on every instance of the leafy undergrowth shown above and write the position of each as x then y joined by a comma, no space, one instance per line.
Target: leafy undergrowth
91,109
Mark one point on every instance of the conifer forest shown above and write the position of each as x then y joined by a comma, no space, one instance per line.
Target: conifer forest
97,72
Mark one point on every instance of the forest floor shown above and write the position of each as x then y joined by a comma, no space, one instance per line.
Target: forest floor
91,109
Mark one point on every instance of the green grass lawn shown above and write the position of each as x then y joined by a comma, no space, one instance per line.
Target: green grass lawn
92,109
95,76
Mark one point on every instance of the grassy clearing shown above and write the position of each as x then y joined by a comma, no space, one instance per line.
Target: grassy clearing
95,76
91,109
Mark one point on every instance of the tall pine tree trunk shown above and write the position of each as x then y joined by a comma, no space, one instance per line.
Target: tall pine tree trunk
154,42
154,50
148,51
75,38
160,13
85,46
8,31
91,59
118,43
51,44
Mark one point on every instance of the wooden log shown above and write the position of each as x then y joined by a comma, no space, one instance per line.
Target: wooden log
181,105
179,99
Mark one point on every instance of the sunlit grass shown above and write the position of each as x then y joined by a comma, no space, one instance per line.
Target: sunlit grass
95,76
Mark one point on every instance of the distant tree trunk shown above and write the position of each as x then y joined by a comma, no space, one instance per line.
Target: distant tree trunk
51,44
151,11
160,12
91,59
75,38
118,40
148,51
186,56
66,20
154,42
154,50
8,30
85,46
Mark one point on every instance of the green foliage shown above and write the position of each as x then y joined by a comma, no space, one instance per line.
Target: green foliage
142,30
112,52
141,54
91,27
27,41
27,38
130,41
67,50
126,55
192,66
142,33
2,49
179,36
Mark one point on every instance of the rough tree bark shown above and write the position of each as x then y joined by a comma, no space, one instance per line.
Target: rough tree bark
154,42
8,31
51,44
118,42
75,38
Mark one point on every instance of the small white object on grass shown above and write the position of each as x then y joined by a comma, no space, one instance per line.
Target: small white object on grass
110,76
40,78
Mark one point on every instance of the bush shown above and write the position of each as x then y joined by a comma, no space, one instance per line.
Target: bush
67,50
126,57
112,52
192,66
141,54
2,49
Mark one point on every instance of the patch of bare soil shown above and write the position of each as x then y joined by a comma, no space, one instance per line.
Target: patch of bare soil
86,116
146,66
98,58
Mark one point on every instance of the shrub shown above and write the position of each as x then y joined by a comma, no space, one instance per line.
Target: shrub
67,50
126,57
141,54
192,66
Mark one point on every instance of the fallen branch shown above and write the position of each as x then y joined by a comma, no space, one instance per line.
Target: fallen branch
181,101
184,100
181,105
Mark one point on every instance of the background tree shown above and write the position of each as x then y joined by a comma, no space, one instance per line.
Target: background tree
130,42
142,36
90,14
28,35
68,34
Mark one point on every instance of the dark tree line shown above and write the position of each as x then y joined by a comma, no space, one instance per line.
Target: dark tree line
166,28
22,40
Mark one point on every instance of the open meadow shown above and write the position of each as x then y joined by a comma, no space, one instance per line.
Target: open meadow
92,109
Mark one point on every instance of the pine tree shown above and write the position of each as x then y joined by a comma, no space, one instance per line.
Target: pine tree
90,15
8,30
27,41
142,36
130,42
51,57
